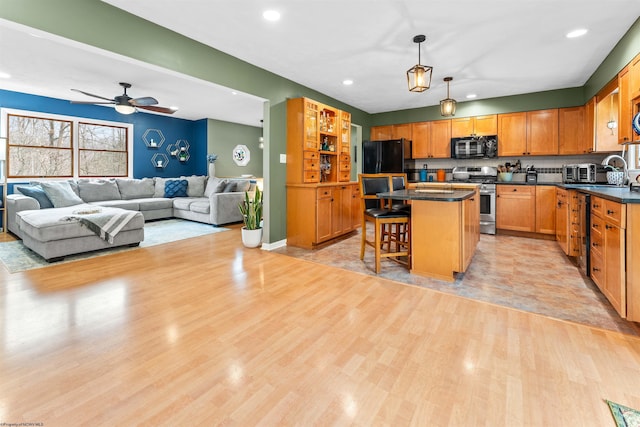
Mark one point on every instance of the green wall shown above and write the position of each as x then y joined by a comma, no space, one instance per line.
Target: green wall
223,137
99,24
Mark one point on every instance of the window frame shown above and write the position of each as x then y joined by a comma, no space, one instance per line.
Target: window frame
75,120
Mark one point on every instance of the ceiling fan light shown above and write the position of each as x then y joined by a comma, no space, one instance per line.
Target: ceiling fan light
125,109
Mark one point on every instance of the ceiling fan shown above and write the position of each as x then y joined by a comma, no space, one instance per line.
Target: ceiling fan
124,104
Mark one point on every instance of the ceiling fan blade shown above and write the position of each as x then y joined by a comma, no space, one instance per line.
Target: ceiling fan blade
92,102
144,101
90,94
157,109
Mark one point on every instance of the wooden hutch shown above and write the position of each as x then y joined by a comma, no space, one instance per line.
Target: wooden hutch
322,201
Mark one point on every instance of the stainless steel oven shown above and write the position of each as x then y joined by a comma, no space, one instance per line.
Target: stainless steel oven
488,208
486,176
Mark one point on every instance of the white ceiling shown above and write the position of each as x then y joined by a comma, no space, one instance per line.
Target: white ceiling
490,47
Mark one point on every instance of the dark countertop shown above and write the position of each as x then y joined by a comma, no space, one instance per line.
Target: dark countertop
609,192
431,194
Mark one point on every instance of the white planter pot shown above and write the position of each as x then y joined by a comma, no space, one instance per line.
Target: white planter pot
212,169
615,178
251,238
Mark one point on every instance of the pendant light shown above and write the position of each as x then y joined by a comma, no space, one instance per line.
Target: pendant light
419,76
448,105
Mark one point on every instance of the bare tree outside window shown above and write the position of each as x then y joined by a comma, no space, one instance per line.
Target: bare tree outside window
102,150
39,147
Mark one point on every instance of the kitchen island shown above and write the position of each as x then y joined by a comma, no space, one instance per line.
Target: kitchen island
445,229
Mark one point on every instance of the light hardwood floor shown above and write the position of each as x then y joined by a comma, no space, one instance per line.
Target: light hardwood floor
204,332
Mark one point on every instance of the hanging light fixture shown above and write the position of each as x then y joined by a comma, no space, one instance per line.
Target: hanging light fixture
448,105
419,76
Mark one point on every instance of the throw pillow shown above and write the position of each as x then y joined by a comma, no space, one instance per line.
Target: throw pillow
243,185
159,187
230,187
136,188
214,185
175,188
195,188
37,193
61,194
98,190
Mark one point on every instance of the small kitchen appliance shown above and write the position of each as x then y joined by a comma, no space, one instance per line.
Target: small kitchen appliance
532,175
584,173
474,147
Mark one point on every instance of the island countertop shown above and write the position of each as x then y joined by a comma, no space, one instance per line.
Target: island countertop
429,194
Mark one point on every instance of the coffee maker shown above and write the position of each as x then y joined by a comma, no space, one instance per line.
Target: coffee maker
532,175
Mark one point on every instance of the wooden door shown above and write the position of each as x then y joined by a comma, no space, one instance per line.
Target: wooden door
634,77
515,208
614,289
625,130
545,209
440,139
562,220
402,131
571,131
324,214
542,132
342,205
512,134
356,208
461,127
420,144
589,125
486,125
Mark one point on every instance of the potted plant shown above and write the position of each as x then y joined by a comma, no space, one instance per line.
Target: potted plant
251,210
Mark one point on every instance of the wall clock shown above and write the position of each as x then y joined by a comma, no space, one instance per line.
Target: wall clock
241,155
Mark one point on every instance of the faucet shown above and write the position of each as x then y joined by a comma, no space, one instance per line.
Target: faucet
607,159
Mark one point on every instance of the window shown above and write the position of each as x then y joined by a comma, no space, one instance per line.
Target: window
39,147
53,146
102,150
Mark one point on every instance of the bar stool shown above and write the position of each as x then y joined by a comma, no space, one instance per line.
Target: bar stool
384,219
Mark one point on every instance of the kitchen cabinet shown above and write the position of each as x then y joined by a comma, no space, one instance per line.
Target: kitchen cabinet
316,214
531,133
571,131
397,131
545,196
562,219
478,125
590,124
319,191
431,139
516,207
607,112
625,130
471,232
569,221
608,222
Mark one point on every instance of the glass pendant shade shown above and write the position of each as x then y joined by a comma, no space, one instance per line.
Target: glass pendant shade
125,109
448,105
419,76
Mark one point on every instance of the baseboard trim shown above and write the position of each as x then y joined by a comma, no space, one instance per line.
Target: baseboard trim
275,245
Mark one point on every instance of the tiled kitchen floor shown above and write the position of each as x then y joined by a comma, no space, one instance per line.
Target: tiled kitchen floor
527,274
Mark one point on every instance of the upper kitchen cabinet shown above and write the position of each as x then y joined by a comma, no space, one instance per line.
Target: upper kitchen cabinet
571,131
625,115
382,133
479,125
607,118
431,139
531,133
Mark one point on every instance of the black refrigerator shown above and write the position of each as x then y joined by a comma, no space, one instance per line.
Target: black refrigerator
384,156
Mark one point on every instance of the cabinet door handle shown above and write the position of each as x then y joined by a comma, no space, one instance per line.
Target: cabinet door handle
610,212
594,244
595,269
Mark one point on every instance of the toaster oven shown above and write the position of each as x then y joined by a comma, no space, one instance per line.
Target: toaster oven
584,173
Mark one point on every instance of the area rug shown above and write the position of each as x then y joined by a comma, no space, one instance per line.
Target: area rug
624,416
16,257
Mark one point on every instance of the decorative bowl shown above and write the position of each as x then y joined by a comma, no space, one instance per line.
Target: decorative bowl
505,176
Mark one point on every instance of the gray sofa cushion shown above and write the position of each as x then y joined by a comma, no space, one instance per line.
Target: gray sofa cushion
135,188
131,205
154,203
196,185
184,203
61,194
214,185
201,206
98,190
159,187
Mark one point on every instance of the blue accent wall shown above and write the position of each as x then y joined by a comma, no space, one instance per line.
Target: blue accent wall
172,128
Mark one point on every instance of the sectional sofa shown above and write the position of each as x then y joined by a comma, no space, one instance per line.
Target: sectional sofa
43,214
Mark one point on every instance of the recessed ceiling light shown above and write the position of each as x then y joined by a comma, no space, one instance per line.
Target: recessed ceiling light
271,15
4,75
234,92
347,82
471,96
576,33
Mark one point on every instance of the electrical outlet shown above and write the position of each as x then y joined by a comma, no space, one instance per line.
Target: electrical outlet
283,158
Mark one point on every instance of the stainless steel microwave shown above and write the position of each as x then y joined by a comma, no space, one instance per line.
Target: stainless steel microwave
473,147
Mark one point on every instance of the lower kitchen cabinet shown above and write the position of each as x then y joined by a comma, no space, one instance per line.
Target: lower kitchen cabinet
562,219
526,208
607,252
318,213
569,221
